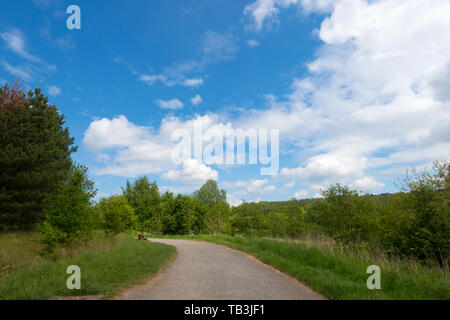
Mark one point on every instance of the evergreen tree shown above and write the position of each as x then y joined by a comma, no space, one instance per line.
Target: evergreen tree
35,151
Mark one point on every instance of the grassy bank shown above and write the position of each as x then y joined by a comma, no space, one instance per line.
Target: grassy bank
106,267
340,275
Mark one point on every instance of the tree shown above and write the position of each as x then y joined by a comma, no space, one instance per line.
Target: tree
69,214
210,194
144,197
296,219
117,215
175,219
218,210
35,151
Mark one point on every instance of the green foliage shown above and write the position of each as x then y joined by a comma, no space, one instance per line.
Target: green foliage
210,194
218,210
344,215
264,219
144,197
69,214
183,215
414,223
117,215
35,151
417,222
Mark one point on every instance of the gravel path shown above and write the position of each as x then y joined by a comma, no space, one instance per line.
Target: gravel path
212,272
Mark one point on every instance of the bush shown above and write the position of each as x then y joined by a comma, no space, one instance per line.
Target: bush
417,222
116,214
344,215
69,214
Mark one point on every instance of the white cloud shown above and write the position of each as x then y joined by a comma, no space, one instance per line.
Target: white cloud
22,72
173,104
265,12
54,91
192,171
301,194
252,43
194,82
196,100
136,150
376,94
367,184
252,186
118,132
218,46
15,40
289,185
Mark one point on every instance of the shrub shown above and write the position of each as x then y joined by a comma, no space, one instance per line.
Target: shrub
69,214
116,213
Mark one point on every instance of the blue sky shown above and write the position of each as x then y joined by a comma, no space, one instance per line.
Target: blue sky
356,96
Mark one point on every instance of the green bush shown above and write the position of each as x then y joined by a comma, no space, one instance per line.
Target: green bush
69,214
344,215
417,222
116,214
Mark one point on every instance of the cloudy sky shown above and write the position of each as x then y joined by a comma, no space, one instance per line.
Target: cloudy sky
360,90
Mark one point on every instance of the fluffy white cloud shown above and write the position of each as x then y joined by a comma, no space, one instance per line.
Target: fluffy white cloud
196,100
136,150
173,104
192,171
118,132
376,95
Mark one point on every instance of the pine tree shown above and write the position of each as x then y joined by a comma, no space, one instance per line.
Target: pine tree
35,151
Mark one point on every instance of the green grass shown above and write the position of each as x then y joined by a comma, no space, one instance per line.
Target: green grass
103,272
23,250
341,275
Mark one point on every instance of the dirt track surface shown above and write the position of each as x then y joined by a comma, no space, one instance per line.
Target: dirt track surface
213,272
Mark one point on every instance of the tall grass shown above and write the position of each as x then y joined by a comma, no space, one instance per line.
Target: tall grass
23,250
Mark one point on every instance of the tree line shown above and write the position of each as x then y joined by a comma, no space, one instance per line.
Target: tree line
414,222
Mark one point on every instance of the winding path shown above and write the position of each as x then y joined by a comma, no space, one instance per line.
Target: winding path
206,271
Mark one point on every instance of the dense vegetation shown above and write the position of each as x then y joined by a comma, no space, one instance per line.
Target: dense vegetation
414,223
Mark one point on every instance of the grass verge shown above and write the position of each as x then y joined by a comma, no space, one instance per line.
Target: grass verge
102,272
338,275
